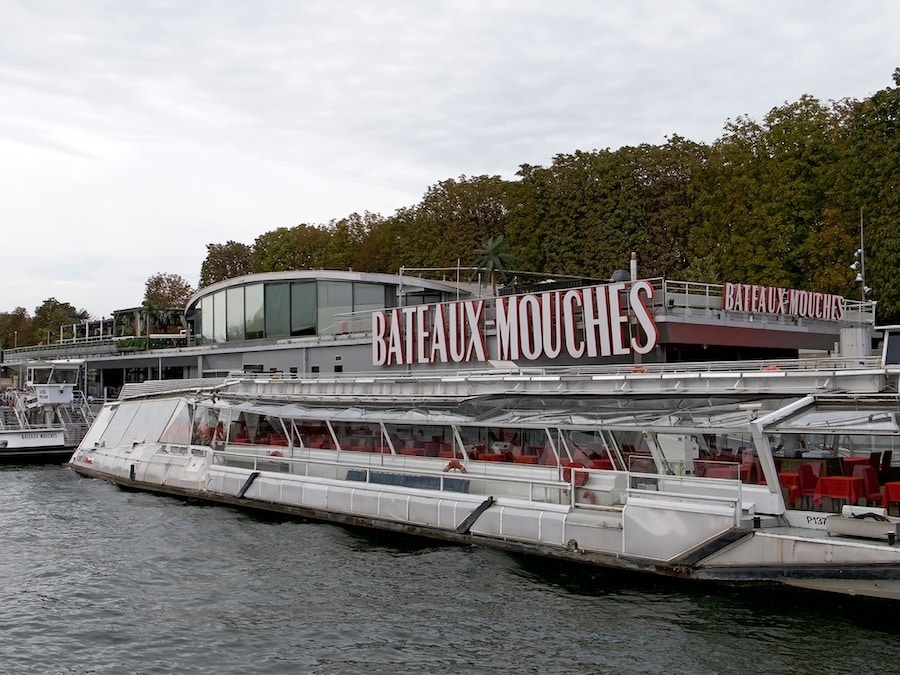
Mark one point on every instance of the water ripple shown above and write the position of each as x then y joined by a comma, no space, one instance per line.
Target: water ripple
99,580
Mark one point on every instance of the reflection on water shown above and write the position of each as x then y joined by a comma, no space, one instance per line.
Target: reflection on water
97,579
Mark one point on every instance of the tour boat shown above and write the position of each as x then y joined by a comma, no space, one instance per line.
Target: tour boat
739,472
44,421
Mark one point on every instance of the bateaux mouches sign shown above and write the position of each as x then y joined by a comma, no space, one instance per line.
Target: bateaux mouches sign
787,301
597,321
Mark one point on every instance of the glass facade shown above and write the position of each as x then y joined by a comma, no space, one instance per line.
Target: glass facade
280,309
235,319
254,312
303,308
277,310
335,297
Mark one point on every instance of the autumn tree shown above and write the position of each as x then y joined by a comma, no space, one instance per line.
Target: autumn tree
15,328
167,290
225,261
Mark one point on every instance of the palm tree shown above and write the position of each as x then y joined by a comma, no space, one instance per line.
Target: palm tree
493,260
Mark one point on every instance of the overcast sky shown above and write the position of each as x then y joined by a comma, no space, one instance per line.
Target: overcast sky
135,132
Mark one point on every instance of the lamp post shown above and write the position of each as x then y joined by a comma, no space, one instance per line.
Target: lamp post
859,265
15,339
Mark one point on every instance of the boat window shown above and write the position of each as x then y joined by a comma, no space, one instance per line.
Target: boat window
179,429
589,448
207,427
357,437
424,440
39,375
315,434
95,433
63,376
139,421
507,444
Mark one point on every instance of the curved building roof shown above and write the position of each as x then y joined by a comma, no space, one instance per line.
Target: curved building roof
410,282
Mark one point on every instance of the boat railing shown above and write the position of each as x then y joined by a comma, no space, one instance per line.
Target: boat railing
601,490
544,489
771,367
670,296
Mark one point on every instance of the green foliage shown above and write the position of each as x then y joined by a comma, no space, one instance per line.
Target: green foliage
15,328
870,166
52,317
773,201
493,261
167,291
225,261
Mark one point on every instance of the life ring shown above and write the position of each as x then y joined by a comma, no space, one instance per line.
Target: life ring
275,453
580,476
639,369
772,367
455,464
589,496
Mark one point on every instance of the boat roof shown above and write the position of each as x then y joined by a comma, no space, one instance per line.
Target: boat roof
814,414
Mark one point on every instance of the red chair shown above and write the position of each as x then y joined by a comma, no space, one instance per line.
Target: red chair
875,460
884,473
871,490
806,481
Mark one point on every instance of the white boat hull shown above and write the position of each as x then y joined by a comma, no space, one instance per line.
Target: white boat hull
23,445
672,536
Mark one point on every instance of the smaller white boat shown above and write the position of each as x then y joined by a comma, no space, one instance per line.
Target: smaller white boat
45,421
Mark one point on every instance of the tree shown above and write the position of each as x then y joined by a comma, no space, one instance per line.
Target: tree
52,317
225,261
15,328
348,236
302,247
870,167
167,290
493,260
668,179
455,216
164,298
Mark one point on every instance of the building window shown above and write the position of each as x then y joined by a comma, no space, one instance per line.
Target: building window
219,316
303,308
278,310
335,297
254,318
206,318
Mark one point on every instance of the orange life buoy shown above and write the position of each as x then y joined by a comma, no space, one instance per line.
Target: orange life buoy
455,464
639,369
580,476
274,453
772,367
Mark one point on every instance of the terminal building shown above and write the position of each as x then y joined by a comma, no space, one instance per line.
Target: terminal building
317,323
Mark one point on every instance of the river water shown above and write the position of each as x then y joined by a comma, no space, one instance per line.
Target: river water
95,579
